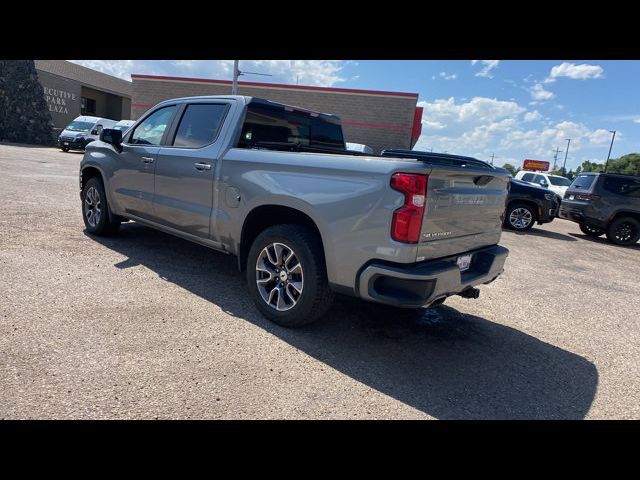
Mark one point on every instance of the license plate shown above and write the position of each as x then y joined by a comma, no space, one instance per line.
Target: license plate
464,262
571,197
66,143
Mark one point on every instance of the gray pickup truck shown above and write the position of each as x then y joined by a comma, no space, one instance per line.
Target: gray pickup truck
275,186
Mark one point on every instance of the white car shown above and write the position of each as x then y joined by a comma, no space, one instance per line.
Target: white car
359,147
555,183
123,125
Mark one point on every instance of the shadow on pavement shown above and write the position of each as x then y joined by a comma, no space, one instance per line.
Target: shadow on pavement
536,232
445,363
603,240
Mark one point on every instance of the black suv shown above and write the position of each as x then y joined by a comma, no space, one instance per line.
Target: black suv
528,204
605,203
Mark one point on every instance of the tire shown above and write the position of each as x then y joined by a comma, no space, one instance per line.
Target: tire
439,301
65,149
306,295
95,210
624,231
591,231
519,217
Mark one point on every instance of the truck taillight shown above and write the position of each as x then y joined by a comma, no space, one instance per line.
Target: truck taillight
407,220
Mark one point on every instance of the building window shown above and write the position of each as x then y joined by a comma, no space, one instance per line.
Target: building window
87,106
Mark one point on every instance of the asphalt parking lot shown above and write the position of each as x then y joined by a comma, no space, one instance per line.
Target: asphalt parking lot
145,325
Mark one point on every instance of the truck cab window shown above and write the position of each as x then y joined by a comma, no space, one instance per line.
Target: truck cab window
151,129
199,125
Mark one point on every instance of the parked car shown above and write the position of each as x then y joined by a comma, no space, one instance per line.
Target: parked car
359,147
528,204
605,203
124,125
555,183
82,131
273,185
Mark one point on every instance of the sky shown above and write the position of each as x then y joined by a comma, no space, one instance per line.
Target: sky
511,109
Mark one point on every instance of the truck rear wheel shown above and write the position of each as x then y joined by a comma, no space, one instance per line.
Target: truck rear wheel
287,276
624,231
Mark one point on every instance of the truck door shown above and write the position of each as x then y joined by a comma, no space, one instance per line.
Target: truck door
185,168
132,183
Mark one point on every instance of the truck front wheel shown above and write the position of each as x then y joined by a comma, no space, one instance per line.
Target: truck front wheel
95,210
287,276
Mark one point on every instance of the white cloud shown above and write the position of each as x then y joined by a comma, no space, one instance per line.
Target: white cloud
324,73
577,72
448,76
487,66
482,126
532,116
540,94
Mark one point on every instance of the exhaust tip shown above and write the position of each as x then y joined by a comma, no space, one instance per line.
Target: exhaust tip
470,292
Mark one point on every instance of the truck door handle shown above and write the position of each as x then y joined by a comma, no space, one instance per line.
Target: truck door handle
202,166
147,159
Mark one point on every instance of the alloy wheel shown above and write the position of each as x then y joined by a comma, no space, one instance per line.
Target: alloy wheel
625,232
520,218
279,276
92,207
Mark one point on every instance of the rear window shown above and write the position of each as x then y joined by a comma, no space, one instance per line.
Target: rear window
277,125
622,186
583,181
559,181
528,177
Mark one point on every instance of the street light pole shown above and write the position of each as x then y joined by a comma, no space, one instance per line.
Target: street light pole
564,165
610,147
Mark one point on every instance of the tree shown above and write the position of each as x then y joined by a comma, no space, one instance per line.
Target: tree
588,166
510,168
628,164
24,116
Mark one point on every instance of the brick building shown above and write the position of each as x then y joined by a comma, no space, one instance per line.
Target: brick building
376,118
72,90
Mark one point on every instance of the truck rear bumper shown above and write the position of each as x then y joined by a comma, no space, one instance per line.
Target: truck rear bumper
422,283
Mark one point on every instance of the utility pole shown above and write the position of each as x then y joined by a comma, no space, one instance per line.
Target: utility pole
492,155
610,147
566,153
555,157
237,73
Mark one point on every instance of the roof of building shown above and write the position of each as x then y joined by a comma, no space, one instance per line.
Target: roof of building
86,76
281,86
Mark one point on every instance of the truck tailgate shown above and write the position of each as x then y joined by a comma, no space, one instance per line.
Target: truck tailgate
463,211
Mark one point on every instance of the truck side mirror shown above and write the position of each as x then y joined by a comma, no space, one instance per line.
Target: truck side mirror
112,136
543,183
